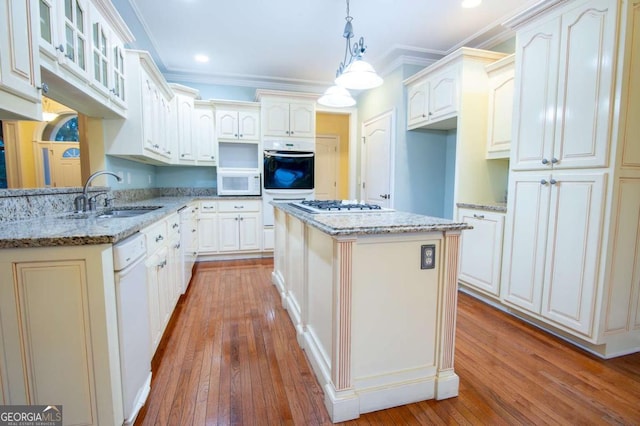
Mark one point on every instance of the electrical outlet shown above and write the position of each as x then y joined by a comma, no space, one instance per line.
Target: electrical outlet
428,256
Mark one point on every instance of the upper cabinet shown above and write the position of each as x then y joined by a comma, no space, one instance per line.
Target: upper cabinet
500,111
287,114
433,98
435,94
19,66
564,74
237,121
204,133
146,134
82,55
183,113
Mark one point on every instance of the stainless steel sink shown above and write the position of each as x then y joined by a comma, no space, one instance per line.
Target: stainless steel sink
120,212
126,212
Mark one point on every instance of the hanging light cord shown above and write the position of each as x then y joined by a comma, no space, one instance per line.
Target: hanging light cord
350,52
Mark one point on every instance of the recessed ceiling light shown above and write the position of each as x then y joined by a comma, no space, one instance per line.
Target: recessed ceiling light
201,58
468,4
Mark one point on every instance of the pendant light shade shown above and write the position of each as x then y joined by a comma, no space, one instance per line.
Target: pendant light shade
338,97
359,75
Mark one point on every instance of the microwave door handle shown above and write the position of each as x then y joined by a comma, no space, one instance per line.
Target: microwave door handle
270,154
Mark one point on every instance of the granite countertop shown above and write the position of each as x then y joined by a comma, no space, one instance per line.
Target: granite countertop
489,206
390,222
72,229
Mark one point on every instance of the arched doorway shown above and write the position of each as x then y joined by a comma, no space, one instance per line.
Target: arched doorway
57,153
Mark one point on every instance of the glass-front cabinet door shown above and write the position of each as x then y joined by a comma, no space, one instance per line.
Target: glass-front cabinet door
64,33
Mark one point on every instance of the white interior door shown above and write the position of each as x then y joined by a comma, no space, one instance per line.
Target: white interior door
326,167
377,154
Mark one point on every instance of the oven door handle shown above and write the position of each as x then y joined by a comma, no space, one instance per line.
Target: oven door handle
271,154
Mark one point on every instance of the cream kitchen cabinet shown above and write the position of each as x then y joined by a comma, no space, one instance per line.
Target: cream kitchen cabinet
19,63
434,98
552,244
208,227
82,55
240,225
238,124
184,116
145,135
59,334
564,75
569,262
204,133
481,250
189,241
289,119
158,280
500,111
175,252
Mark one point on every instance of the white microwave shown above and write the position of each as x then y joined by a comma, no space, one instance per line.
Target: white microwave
239,182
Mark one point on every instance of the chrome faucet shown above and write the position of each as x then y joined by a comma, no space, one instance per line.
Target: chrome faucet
81,201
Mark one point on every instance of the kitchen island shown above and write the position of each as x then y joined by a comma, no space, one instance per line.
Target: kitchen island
373,299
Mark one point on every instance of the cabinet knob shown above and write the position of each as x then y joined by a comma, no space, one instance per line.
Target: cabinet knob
213,157
554,160
292,132
236,218
235,135
44,87
553,181
241,135
241,218
159,238
175,225
545,161
60,48
430,113
543,182
424,115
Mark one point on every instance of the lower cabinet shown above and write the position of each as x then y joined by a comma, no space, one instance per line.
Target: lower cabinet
229,226
163,285
481,250
59,334
189,242
552,246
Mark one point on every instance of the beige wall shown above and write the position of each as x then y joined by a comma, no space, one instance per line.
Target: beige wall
337,125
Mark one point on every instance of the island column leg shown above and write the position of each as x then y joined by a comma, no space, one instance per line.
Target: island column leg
340,399
447,381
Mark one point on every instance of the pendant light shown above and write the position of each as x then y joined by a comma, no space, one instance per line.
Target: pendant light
353,72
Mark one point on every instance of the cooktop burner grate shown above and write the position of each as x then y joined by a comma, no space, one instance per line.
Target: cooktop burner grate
338,206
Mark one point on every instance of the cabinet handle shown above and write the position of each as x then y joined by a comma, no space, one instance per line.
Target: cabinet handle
478,216
554,160
553,181
543,182
545,161
60,47
238,207
177,246
175,225
162,264
159,238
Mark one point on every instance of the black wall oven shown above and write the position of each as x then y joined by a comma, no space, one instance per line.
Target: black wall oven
288,170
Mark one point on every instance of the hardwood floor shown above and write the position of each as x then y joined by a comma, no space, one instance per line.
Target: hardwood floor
230,356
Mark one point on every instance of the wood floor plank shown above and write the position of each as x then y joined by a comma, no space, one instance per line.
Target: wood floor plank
230,356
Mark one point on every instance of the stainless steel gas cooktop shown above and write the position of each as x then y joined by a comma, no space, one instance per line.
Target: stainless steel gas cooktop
339,206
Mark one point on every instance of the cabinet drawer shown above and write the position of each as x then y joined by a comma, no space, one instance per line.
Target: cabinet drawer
173,227
208,206
156,236
238,206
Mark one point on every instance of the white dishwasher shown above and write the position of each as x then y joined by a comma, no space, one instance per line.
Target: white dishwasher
133,323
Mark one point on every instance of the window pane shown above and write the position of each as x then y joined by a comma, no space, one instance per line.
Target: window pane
68,9
45,21
122,88
104,74
96,31
70,51
96,66
121,64
79,18
81,53
103,43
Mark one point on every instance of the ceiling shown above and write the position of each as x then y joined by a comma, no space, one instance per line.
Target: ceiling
298,44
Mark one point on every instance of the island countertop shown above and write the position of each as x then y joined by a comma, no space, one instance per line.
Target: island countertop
388,222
